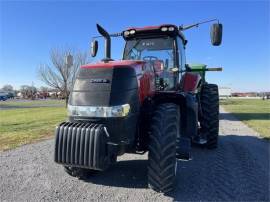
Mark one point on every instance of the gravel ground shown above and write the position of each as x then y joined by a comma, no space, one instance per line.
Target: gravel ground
237,171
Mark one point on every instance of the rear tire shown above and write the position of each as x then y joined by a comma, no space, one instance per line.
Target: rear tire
162,164
210,114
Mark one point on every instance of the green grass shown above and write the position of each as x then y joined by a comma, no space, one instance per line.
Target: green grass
22,126
253,112
27,103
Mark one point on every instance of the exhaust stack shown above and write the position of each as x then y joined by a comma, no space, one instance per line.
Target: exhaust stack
107,37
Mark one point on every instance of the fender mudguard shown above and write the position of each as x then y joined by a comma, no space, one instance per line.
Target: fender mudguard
191,116
189,127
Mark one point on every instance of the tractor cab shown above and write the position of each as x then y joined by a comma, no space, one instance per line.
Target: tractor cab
162,47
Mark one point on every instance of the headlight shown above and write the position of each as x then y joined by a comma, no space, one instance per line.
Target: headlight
99,111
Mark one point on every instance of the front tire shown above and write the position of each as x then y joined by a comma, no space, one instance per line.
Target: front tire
210,114
162,148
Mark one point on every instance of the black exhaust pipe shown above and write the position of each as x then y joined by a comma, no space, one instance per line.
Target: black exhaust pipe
107,37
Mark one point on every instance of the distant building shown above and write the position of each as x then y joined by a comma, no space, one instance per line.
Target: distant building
248,94
264,95
225,92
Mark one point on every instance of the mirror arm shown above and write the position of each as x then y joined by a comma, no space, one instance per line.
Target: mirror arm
183,28
111,35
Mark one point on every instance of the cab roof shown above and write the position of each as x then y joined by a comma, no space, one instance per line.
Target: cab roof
138,32
152,27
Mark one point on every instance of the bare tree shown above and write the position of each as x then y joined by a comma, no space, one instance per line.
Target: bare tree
44,89
7,88
59,75
28,91
44,92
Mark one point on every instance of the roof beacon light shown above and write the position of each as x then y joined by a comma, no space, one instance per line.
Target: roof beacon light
171,29
126,33
132,31
164,29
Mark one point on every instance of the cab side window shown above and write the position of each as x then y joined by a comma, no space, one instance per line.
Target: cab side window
181,52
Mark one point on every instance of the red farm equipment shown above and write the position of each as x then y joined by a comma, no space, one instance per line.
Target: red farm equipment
151,101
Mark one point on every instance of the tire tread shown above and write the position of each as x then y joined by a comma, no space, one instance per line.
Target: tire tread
210,114
162,148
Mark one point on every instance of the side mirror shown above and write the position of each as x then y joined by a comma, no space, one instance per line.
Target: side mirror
216,34
94,48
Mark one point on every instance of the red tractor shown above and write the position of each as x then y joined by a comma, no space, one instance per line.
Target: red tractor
149,101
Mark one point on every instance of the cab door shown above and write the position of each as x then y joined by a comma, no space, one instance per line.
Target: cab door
181,58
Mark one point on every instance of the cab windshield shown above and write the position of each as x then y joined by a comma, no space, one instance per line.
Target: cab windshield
159,50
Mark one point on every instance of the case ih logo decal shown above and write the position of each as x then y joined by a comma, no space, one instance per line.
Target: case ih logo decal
99,81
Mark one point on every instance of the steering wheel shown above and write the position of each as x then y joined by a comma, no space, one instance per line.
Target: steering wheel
150,58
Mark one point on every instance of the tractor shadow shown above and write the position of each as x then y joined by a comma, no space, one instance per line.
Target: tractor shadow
128,174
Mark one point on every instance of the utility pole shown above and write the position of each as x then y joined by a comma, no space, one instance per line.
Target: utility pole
69,64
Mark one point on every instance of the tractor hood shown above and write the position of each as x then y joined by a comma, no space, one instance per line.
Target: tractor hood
113,64
107,84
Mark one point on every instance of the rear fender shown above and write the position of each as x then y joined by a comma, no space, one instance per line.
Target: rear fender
190,82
